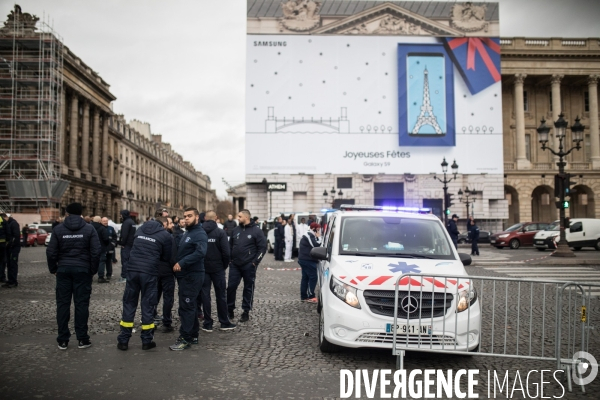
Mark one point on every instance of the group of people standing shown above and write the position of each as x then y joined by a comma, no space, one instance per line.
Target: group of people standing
472,233
196,253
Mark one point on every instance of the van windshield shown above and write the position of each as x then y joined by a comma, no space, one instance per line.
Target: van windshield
394,237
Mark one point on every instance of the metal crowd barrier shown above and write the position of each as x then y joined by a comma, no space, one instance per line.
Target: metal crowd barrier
532,319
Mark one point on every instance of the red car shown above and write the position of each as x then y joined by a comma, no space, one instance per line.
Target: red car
518,235
35,236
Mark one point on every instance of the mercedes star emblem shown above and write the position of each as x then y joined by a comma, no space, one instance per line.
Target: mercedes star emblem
409,304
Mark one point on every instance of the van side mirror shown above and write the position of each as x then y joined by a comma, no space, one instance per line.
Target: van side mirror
464,258
319,253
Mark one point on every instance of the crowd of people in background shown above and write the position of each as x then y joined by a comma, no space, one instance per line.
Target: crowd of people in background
472,233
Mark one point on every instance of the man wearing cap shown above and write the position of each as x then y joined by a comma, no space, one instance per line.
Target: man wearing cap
127,234
73,255
453,230
309,240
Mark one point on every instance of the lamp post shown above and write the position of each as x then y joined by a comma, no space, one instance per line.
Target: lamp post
445,181
560,126
467,193
325,195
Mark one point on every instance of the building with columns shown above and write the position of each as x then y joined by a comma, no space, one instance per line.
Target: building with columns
541,77
57,126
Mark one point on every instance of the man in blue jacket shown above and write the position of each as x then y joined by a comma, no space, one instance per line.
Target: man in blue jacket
73,255
13,248
248,246
127,234
151,245
166,281
190,277
215,264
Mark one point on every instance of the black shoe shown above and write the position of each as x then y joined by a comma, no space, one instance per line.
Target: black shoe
207,327
122,346
9,285
102,280
230,313
84,344
167,329
245,317
63,345
148,346
194,341
2,280
229,326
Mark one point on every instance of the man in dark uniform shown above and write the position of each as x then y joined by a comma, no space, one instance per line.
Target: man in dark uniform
110,251
3,240
453,230
279,235
73,255
189,270
127,234
229,225
13,248
474,236
151,245
25,234
166,281
104,242
248,246
215,264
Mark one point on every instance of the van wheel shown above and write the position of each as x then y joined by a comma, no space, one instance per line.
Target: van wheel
577,248
269,247
499,247
515,244
541,249
597,246
319,305
324,345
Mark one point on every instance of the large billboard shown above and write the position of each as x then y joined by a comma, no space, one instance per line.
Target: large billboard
372,104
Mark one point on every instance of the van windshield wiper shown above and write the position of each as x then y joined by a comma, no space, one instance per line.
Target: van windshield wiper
410,255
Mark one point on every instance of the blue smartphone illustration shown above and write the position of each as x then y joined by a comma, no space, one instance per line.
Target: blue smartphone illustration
426,94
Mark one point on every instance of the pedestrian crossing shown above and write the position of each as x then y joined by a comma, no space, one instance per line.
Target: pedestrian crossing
574,273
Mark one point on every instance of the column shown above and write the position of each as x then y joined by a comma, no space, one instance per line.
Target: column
522,161
594,130
85,139
111,166
96,143
556,109
74,131
105,152
63,127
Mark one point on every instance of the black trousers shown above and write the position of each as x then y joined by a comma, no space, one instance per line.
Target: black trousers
217,279
76,285
109,264
3,261
278,250
189,288
146,284
13,264
125,251
474,247
166,289
236,274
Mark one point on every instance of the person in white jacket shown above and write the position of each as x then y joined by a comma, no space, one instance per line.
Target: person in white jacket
289,242
301,229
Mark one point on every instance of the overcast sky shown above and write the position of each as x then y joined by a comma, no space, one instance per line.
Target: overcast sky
180,64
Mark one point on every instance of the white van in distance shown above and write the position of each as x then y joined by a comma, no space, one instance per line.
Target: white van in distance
582,232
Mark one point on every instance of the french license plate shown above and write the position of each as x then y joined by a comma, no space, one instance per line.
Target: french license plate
410,329
492,241
539,242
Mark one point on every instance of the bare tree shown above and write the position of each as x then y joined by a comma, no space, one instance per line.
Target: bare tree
224,208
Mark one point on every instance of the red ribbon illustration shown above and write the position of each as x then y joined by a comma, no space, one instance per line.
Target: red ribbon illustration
477,45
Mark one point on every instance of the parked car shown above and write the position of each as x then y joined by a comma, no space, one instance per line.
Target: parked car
582,232
484,237
35,236
518,235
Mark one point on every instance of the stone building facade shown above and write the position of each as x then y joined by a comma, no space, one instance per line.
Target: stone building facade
540,78
110,164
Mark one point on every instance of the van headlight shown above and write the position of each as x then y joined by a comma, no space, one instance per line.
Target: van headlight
466,298
346,293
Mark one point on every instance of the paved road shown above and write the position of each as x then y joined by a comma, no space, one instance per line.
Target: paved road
274,355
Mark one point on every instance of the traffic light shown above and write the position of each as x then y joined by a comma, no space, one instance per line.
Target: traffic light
562,184
449,200
447,211
567,187
562,204
566,204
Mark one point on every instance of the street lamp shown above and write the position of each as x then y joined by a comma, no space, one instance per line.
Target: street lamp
560,126
445,181
332,192
467,193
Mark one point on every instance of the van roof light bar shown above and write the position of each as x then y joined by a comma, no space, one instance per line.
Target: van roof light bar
414,210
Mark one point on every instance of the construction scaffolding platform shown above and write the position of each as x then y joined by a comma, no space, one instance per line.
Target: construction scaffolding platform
31,85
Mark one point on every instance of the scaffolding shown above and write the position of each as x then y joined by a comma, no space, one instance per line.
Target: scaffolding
31,85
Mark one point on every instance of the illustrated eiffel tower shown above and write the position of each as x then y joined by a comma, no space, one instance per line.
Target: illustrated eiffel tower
426,117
